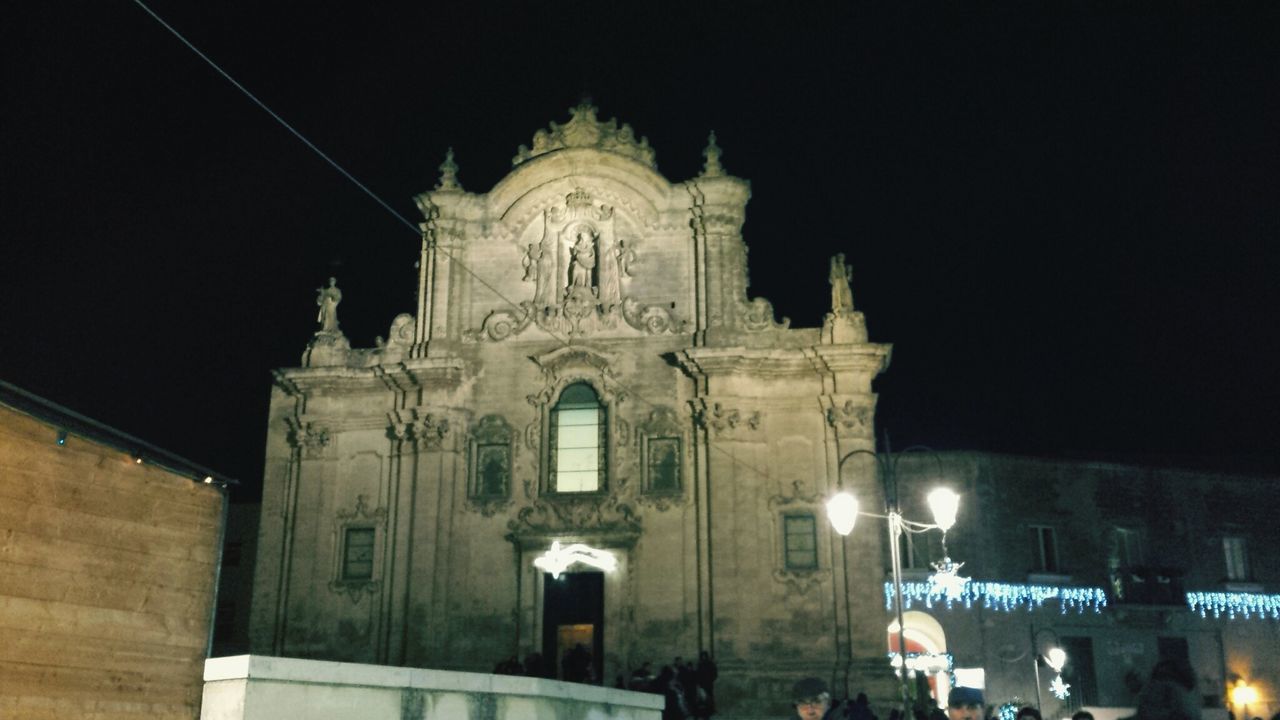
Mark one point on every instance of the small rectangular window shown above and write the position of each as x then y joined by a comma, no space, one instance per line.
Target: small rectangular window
801,542
1044,549
662,464
357,554
1236,553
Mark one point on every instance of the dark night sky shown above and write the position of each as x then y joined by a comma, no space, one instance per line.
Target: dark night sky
1063,217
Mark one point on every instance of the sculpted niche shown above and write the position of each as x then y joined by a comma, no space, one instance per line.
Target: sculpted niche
577,267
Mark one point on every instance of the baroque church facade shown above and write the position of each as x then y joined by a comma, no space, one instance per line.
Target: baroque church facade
584,381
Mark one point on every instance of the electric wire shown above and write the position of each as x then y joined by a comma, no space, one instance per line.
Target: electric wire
734,460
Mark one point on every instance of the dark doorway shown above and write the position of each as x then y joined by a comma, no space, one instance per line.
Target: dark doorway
573,616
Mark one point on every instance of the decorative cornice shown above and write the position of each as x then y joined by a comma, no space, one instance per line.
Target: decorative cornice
584,130
575,516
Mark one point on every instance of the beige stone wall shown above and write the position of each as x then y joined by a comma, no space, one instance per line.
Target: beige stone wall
106,579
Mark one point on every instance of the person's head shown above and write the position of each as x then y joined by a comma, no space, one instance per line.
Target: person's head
812,698
1026,712
1082,715
964,703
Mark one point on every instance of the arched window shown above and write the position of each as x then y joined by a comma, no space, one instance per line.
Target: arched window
577,441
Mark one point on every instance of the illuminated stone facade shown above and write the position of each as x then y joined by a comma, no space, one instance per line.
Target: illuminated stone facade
410,486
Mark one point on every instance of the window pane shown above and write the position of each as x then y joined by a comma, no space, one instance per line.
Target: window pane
578,439
1237,558
800,540
357,554
568,418
577,460
576,436
577,481
1050,550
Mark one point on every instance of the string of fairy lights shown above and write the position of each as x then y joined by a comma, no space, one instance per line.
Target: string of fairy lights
1010,597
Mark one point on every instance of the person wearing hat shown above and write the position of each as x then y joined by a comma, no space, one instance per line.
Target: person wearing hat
811,698
964,703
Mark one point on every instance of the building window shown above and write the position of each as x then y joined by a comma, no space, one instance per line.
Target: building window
1044,549
577,441
1128,547
800,542
1079,672
916,550
1236,553
357,554
662,464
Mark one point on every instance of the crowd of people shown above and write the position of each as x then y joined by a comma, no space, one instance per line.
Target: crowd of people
688,687
689,692
1169,694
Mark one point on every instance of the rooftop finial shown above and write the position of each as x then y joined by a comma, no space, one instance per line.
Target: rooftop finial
712,166
448,173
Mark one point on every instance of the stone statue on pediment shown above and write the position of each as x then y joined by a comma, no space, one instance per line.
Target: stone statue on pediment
841,295
328,299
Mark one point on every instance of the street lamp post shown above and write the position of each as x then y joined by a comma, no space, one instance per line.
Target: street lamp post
843,512
1055,657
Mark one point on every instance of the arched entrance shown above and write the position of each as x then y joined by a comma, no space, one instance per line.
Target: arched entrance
927,658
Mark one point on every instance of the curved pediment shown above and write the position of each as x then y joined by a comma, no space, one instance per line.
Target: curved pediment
545,180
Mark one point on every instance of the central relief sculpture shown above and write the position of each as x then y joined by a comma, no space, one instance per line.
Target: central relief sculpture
577,268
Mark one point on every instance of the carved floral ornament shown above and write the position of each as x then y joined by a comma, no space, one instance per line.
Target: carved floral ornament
578,268
585,130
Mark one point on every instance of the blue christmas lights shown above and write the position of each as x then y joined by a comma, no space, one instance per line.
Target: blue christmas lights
1005,597
1234,604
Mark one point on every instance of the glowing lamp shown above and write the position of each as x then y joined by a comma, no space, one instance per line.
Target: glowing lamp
944,504
1056,658
558,559
842,510
1243,695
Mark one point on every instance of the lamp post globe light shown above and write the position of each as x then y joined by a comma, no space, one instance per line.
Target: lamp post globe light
843,511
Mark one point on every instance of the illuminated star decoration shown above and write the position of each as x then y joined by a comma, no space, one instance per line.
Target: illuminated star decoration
558,559
947,579
1059,689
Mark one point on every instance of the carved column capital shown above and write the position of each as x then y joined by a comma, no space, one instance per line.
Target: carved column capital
309,437
850,419
724,422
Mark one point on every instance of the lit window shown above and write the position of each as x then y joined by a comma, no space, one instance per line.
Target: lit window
1044,549
1236,553
577,430
357,554
800,539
